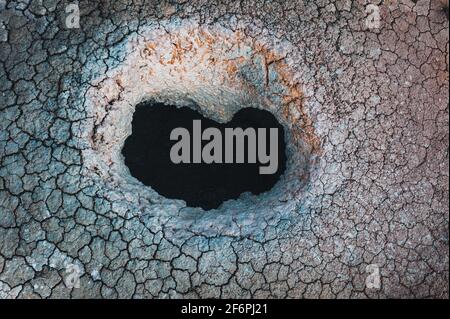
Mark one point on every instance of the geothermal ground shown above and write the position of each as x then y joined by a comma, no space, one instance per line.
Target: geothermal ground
360,88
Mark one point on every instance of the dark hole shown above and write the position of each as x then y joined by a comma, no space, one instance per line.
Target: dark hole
147,155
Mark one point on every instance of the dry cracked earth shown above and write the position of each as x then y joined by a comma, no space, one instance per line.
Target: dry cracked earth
362,210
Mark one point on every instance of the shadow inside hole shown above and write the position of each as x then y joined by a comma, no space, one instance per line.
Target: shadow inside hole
147,155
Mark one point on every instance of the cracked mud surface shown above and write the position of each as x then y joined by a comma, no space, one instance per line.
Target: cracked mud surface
367,111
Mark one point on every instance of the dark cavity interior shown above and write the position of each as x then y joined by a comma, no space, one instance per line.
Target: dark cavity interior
147,155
